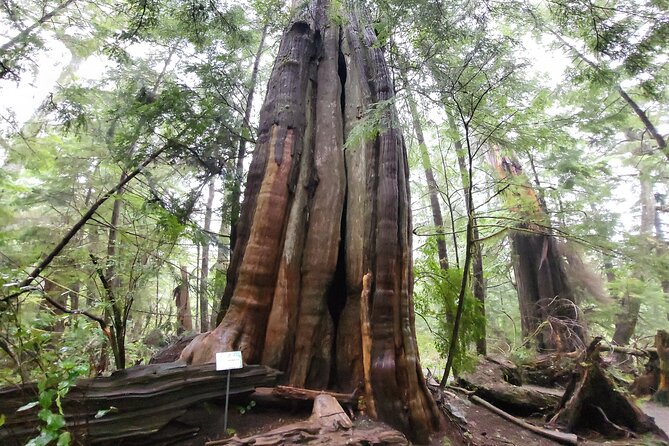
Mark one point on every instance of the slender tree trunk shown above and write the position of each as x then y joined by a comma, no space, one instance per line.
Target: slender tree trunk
547,304
58,294
469,248
662,247
181,297
478,280
233,202
433,189
221,266
119,310
631,303
316,219
204,274
25,33
241,152
113,281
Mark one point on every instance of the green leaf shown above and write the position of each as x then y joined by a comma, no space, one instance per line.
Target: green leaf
27,406
103,412
43,439
64,439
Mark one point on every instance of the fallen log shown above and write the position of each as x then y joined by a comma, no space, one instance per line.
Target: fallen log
630,350
172,352
549,369
561,437
140,403
296,393
490,382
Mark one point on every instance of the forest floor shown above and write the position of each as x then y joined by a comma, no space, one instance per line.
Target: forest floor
659,412
485,428
482,427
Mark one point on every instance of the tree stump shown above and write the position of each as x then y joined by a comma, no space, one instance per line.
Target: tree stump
662,346
592,402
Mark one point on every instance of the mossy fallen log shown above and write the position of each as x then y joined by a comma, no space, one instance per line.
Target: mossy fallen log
497,381
141,403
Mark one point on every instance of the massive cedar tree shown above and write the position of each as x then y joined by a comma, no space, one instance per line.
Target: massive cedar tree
316,218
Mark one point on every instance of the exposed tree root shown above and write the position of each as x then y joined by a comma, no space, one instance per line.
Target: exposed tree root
328,424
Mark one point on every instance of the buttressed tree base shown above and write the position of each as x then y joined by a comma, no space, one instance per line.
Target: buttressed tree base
319,215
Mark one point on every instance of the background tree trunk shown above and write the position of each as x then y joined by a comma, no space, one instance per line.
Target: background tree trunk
631,303
204,274
547,304
478,281
181,296
316,219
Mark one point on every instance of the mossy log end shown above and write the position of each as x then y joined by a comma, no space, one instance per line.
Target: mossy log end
498,382
142,403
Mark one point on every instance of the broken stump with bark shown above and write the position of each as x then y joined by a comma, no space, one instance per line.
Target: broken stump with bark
593,402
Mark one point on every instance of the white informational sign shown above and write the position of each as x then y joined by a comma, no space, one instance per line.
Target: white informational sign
229,360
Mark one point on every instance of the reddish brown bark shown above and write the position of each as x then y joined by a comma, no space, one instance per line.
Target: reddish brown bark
316,219
662,346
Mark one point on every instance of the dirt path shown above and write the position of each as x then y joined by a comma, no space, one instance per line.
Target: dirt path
659,412
485,428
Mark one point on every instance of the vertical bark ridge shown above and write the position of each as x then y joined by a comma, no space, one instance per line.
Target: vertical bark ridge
281,325
359,174
312,364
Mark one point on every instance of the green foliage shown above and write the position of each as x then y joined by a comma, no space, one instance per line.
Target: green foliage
246,408
436,299
54,385
336,12
374,120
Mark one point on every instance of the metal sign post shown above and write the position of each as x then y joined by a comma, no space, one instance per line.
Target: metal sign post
228,361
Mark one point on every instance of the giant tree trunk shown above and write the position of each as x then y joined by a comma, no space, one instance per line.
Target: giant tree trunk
547,305
235,189
316,219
